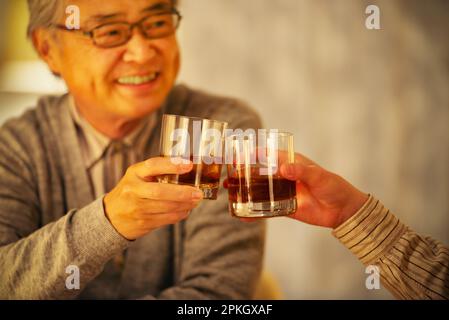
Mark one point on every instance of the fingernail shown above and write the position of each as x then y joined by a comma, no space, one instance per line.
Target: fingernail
197,195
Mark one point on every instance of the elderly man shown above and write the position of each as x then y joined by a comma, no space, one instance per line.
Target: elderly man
66,209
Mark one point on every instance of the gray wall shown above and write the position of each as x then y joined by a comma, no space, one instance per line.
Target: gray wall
370,105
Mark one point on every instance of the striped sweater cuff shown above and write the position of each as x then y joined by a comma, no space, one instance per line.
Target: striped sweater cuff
371,232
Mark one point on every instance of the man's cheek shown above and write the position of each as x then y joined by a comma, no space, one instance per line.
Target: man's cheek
177,63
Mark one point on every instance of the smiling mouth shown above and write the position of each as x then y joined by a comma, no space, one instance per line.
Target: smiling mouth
138,80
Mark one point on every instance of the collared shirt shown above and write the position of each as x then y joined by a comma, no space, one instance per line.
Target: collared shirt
94,144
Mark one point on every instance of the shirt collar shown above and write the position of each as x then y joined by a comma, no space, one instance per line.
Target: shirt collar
94,143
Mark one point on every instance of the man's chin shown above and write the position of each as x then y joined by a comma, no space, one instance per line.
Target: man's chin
139,109
140,103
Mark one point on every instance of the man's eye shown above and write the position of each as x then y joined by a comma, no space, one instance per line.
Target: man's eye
109,32
113,33
156,24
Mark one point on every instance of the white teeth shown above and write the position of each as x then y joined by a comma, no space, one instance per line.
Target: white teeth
136,80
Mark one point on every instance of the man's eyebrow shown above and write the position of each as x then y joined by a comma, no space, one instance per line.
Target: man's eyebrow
158,6
155,7
102,17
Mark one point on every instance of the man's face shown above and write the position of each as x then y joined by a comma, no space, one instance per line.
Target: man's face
126,82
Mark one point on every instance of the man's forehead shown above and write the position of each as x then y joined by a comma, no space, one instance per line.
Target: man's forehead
98,9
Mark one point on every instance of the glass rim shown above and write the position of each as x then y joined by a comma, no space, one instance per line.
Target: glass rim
279,132
169,115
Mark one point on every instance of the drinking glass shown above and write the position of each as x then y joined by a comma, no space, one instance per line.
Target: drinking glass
255,185
198,140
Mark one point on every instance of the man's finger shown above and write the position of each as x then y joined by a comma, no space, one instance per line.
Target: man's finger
167,192
250,220
158,207
299,158
308,174
163,219
161,165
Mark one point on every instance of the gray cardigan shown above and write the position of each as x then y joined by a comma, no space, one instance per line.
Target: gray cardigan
49,219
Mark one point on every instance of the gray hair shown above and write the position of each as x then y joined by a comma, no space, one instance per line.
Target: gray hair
43,13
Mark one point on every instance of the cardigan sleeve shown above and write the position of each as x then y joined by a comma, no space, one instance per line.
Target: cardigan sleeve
35,260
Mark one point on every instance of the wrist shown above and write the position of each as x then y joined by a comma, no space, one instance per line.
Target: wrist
354,204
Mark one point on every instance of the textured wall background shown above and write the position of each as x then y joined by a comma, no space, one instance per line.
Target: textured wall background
370,105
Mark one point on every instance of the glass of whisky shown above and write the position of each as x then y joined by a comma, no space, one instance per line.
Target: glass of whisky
199,141
255,186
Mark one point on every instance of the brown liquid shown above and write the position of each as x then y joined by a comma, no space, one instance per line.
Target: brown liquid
259,189
208,174
203,176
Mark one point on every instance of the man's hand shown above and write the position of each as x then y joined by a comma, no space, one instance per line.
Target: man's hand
324,198
139,204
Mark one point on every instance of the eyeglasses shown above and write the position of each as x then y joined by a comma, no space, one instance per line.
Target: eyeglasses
115,34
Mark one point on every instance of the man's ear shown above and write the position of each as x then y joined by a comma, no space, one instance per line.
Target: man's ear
45,44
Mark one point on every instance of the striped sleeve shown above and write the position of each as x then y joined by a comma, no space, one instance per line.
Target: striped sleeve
411,266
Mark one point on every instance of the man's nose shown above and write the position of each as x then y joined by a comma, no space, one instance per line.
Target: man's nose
139,49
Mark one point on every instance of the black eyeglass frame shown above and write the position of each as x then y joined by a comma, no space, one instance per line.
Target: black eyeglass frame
91,33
